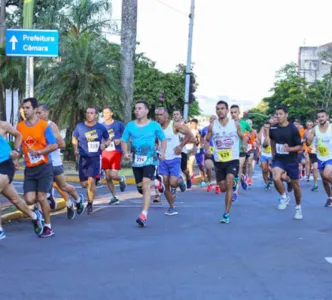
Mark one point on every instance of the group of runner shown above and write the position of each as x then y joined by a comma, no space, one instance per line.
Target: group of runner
162,154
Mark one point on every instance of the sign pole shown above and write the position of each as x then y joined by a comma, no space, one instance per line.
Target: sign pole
27,24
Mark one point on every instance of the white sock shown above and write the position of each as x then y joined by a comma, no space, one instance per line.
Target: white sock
284,196
298,206
70,203
48,225
145,212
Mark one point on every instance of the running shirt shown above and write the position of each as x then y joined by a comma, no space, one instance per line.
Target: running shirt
245,127
225,141
172,141
324,143
265,151
143,140
36,136
5,149
55,155
115,131
285,135
252,140
89,138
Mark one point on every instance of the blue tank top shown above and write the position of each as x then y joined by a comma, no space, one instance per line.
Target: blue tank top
4,149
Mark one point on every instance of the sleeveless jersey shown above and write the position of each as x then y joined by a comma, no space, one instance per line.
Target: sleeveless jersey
5,149
324,143
172,141
267,150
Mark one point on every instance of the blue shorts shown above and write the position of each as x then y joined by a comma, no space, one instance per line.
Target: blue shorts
323,164
292,168
264,159
171,167
89,167
200,158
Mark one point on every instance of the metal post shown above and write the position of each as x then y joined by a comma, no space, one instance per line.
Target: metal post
188,69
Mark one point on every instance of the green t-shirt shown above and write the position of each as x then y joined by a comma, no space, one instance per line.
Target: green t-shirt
244,125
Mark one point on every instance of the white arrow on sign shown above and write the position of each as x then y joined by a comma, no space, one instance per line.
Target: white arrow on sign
13,40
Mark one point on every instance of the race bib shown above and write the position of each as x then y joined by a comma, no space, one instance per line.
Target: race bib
111,147
267,149
225,155
93,147
211,149
280,149
140,159
35,159
323,151
249,147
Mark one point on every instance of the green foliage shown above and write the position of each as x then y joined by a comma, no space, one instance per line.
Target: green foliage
258,117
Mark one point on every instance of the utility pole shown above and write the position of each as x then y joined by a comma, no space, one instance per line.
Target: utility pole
27,24
188,69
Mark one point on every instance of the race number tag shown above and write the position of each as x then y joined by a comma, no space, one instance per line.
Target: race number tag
280,149
34,159
225,155
93,147
267,149
249,147
211,149
140,159
111,147
323,151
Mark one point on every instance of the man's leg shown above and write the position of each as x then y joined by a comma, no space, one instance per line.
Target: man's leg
4,182
265,171
326,174
91,189
109,180
250,167
279,175
190,164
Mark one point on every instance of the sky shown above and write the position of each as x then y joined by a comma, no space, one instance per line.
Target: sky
238,45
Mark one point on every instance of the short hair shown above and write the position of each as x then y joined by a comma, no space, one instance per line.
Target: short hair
179,110
267,123
147,106
93,107
109,108
194,121
283,108
309,121
43,106
222,102
235,106
164,109
322,111
33,101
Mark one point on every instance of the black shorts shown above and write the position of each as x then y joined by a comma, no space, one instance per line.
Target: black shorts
211,157
313,158
146,171
89,167
7,168
57,170
38,179
254,152
244,154
184,161
224,168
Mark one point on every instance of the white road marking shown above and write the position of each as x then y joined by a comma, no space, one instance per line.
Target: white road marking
328,259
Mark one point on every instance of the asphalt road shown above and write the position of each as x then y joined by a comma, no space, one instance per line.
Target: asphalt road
262,254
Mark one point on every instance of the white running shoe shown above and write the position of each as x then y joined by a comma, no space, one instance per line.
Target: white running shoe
283,202
298,213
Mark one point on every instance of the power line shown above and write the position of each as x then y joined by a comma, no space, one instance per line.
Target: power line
172,7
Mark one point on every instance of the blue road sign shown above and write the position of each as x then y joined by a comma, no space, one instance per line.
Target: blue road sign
30,42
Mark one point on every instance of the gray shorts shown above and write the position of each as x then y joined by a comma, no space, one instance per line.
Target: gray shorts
38,179
57,170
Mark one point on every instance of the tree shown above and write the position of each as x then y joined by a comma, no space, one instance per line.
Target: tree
128,48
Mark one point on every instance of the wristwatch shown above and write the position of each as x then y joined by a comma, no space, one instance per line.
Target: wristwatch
17,150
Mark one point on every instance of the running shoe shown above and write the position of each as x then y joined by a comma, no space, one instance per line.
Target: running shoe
38,224
225,218
159,183
71,212
123,183
47,232
249,182
235,182
283,202
267,186
308,178
141,220
203,184
289,187
52,202
189,183
315,188
303,173
171,212
80,208
328,203
182,184
244,183
2,235
209,188
217,189
298,213
36,209
234,197
89,208
270,180
156,198
114,200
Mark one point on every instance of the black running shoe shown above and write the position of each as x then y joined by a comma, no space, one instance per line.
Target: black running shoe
47,232
89,208
52,202
80,208
71,212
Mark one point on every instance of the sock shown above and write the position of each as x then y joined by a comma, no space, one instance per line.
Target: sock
48,225
145,213
76,201
284,196
34,216
298,206
70,203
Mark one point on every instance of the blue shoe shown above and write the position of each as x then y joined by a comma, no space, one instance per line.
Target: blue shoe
244,183
270,180
123,184
189,183
182,184
38,224
203,184
234,197
171,212
2,235
315,188
267,186
235,182
225,218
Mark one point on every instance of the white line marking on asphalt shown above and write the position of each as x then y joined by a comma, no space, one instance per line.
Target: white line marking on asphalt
328,259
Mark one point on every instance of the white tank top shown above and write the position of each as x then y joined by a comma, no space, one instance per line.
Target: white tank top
55,155
324,143
267,150
225,141
172,141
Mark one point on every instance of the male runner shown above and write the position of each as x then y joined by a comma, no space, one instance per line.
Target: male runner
170,167
225,134
312,151
285,144
111,156
38,141
58,173
302,156
7,171
323,135
87,141
251,152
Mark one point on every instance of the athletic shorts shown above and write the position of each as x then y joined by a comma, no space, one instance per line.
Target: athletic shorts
7,167
211,157
313,158
264,159
89,167
224,168
323,164
57,170
38,179
144,172
244,154
184,161
254,152
291,168
300,157
171,167
111,160
200,158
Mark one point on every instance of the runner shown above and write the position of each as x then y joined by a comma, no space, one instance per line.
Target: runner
251,152
59,180
111,156
302,156
143,133
208,160
323,135
225,134
87,142
38,141
7,171
170,167
285,144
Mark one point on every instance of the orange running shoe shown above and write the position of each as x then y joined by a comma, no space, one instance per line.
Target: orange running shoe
217,189
249,181
141,220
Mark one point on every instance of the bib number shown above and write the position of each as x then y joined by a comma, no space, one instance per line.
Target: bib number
140,159
225,155
111,147
249,147
211,149
34,159
323,151
93,147
280,149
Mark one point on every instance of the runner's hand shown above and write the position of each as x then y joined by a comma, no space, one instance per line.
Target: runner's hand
127,156
33,151
76,152
162,156
16,164
286,148
102,146
178,150
14,154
